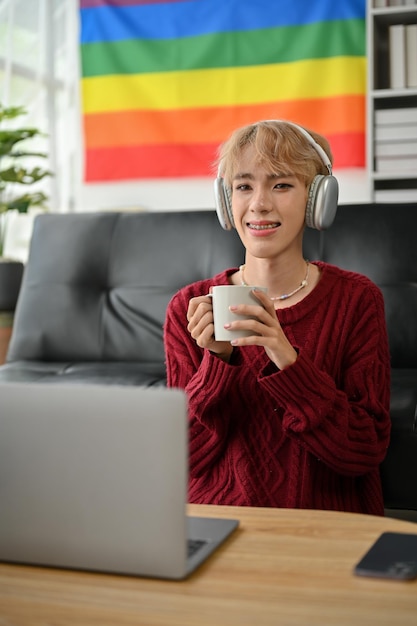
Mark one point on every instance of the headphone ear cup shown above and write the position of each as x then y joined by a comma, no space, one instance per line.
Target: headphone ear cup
311,201
322,202
223,203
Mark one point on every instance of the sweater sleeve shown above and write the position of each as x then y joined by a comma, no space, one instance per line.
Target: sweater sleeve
207,380
343,423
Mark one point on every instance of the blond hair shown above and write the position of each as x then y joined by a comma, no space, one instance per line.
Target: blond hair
279,146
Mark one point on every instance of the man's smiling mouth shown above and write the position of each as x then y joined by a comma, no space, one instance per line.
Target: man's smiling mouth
263,226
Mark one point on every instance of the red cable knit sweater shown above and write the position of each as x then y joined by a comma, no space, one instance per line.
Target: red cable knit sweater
310,436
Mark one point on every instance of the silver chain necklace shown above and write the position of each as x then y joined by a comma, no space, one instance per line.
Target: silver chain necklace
284,296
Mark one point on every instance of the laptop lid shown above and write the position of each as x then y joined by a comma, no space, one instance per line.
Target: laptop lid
95,477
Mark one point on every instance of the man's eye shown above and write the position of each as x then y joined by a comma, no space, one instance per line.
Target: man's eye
242,187
282,186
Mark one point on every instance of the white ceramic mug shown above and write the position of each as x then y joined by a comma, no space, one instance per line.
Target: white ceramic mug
223,297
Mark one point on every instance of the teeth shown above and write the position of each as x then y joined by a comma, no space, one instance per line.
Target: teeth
262,226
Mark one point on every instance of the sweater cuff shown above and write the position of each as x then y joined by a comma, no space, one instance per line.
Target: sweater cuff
215,375
304,395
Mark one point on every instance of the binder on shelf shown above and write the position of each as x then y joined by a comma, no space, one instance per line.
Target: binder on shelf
396,34
411,55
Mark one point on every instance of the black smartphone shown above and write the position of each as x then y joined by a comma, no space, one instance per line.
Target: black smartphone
393,555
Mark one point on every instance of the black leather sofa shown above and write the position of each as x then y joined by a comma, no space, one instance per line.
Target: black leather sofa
94,292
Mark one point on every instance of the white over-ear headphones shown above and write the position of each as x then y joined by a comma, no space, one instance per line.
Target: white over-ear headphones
322,196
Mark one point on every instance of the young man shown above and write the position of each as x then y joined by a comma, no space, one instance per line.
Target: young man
297,414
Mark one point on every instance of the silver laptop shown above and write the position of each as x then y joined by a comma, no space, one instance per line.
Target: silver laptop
95,478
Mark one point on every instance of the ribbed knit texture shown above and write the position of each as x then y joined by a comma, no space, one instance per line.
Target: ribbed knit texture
310,436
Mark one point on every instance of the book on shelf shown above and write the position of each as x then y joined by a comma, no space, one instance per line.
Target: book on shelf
396,34
405,164
395,148
381,4
395,195
394,3
411,55
394,132
407,115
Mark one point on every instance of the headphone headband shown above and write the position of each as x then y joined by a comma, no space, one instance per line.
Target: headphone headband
322,153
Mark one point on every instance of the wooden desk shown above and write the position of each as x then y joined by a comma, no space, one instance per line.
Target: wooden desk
281,567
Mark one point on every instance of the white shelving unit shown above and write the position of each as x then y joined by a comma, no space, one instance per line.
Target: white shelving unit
391,111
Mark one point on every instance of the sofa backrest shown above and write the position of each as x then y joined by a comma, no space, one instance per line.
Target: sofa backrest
380,241
96,285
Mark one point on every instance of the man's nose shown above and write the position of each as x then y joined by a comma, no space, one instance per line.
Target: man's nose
260,201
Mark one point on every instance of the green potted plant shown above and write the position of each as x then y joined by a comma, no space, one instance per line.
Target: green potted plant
15,180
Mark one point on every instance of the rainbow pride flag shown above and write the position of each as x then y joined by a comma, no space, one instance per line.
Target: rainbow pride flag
165,81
